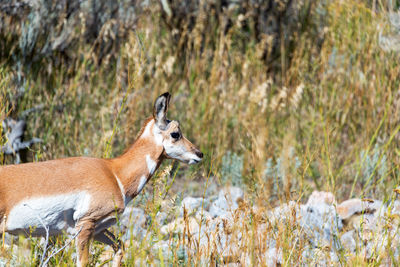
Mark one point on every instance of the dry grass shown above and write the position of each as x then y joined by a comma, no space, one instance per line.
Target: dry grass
321,111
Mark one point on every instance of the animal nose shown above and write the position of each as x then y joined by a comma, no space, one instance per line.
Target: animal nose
199,154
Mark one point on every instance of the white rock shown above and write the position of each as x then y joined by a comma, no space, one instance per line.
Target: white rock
226,201
348,241
319,197
215,225
191,204
203,216
162,246
320,223
161,218
133,222
284,213
133,216
357,213
231,193
355,206
395,207
179,225
230,250
273,257
318,257
221,206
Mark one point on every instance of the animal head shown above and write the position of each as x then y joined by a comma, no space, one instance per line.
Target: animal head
169,133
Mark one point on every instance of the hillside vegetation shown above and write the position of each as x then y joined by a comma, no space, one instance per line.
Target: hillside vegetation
282,97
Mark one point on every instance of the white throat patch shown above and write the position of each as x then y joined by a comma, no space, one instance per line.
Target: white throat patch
151,164
142,182
121,187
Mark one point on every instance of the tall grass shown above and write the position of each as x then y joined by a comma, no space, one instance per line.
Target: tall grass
317,104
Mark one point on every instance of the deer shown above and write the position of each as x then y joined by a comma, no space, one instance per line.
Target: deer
82,196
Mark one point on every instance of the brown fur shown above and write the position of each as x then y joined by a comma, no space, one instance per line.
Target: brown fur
96,176
131,165
57,177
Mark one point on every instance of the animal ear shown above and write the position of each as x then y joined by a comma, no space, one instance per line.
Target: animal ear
160,110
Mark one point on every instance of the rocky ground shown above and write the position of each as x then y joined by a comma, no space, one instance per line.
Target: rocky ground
227,229
329,232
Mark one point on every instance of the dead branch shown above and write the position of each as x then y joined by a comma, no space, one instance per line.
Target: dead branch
14,131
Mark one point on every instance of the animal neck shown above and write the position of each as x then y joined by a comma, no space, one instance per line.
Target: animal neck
136,166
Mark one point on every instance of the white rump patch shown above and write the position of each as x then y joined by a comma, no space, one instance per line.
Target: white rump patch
59,213
142,182
151,164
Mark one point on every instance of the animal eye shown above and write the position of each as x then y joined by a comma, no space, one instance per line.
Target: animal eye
175,135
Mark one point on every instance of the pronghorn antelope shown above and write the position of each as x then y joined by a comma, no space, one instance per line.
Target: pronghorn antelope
80,195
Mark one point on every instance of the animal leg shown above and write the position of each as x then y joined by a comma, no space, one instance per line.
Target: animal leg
3,222
83,243
108,238
3,216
